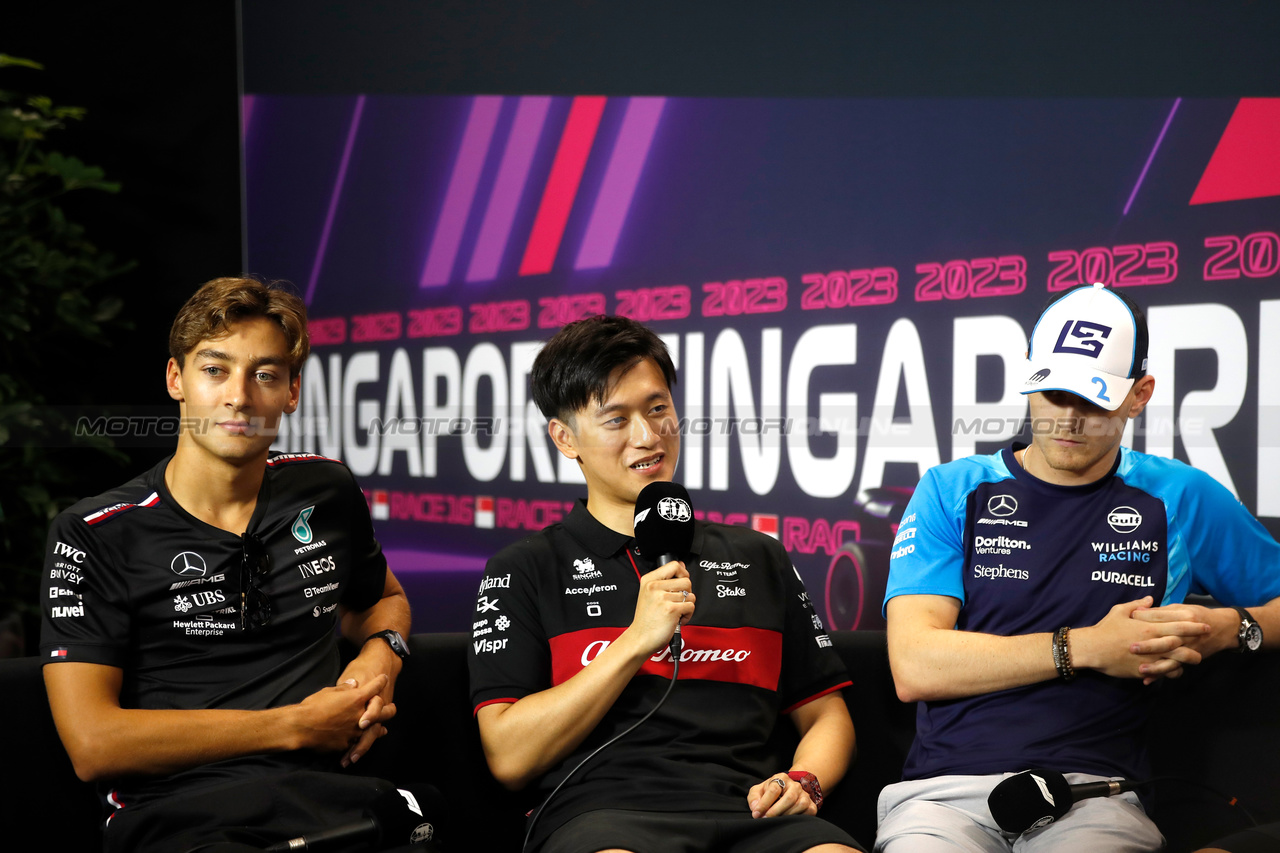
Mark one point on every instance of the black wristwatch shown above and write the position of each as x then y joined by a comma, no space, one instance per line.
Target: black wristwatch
1249,636
394,640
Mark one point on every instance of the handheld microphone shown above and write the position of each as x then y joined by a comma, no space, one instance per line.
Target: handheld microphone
395,817
1038,797
664,529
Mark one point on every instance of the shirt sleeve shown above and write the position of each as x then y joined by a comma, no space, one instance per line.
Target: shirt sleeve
86,615
369,575
928,552
810,665
1230,554
509,657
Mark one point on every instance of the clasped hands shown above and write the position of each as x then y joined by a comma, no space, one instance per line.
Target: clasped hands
1138,640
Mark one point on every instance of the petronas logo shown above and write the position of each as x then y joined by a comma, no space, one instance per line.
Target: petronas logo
301,530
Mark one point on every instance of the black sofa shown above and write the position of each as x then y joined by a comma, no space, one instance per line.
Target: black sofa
1219,726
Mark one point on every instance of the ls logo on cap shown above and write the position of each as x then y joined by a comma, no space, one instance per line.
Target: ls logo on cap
1090,337
301,530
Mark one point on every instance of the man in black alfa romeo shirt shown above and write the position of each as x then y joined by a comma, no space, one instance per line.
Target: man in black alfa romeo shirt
189,625
571,631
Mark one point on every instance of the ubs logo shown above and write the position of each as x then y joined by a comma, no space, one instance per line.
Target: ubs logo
1124,519
188,564
1002,505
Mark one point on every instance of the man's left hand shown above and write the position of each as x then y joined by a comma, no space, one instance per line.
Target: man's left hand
375,658
771,799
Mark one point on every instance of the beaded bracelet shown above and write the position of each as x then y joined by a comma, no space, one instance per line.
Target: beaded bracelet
1062,654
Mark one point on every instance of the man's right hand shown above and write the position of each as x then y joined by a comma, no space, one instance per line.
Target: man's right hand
1109,646
666,599
329,719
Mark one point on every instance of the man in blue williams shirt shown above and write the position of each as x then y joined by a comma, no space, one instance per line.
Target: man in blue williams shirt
1034,593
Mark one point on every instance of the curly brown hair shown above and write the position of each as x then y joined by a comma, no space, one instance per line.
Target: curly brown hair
220,302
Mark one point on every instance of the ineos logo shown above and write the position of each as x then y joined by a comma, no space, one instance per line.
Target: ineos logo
188,564
1002,505
1124,519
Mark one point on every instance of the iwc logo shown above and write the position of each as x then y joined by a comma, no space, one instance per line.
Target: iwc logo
188,564
674,509
301,530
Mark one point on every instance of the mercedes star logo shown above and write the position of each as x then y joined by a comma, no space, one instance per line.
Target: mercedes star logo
188,564
1002,505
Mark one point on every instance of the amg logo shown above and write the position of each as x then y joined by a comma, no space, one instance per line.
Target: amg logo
59,612
218,578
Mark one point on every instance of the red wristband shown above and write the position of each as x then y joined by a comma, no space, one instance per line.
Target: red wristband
810,784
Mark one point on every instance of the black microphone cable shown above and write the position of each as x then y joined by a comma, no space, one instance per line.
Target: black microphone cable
675,656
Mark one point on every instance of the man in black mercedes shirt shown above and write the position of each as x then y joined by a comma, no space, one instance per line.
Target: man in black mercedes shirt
571,633
189,630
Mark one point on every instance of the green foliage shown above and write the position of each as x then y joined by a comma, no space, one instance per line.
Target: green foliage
48,307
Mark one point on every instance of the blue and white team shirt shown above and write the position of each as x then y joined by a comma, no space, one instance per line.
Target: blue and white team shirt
1024,556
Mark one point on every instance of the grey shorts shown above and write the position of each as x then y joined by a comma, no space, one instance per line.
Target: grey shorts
948,814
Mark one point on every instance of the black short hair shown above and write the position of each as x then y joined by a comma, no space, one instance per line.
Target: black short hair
574,367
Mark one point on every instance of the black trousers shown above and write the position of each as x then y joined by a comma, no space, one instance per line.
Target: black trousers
248,815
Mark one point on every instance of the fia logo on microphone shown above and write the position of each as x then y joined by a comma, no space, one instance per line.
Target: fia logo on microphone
675,509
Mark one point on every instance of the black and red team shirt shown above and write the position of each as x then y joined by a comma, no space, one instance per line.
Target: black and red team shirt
755,648
134,581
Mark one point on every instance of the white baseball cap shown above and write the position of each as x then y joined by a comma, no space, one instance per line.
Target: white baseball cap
1091,341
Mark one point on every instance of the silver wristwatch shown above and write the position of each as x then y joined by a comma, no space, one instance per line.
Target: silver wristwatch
1250,634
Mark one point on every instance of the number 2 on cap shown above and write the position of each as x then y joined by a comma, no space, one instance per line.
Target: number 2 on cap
1102,395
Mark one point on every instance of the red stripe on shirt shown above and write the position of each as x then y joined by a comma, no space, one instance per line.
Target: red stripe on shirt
818,695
